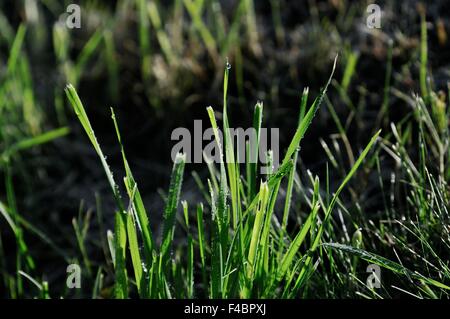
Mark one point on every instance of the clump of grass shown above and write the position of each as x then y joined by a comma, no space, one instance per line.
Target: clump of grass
249,253
415,231
410,226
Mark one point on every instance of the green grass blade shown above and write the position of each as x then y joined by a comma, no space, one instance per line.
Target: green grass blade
306,121
233,176
120,242
254,151
134,252
202,29
289,189
386,263
34,141
423,56
288,258
202,243
135,197
15,48
349,71
171,207
255,238
87,52
80,111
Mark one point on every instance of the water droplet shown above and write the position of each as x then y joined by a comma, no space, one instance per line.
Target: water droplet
228,65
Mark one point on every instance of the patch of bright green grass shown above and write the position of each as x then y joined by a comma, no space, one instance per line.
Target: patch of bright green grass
241,248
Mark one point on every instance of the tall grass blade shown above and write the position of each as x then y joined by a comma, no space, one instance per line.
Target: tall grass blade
171,207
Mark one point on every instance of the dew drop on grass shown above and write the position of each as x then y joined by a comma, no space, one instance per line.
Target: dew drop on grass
228,65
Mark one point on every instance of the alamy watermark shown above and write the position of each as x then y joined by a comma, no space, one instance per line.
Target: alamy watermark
244,143
373,20
374,279
73,19
73,276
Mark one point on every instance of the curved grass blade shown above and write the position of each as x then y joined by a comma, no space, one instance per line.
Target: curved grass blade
386,263
80,111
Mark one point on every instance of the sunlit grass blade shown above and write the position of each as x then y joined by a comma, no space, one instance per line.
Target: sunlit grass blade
230,158
136,199
134,252
306,121
254,151
120,242
78,107
290,186
255,239
171,207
